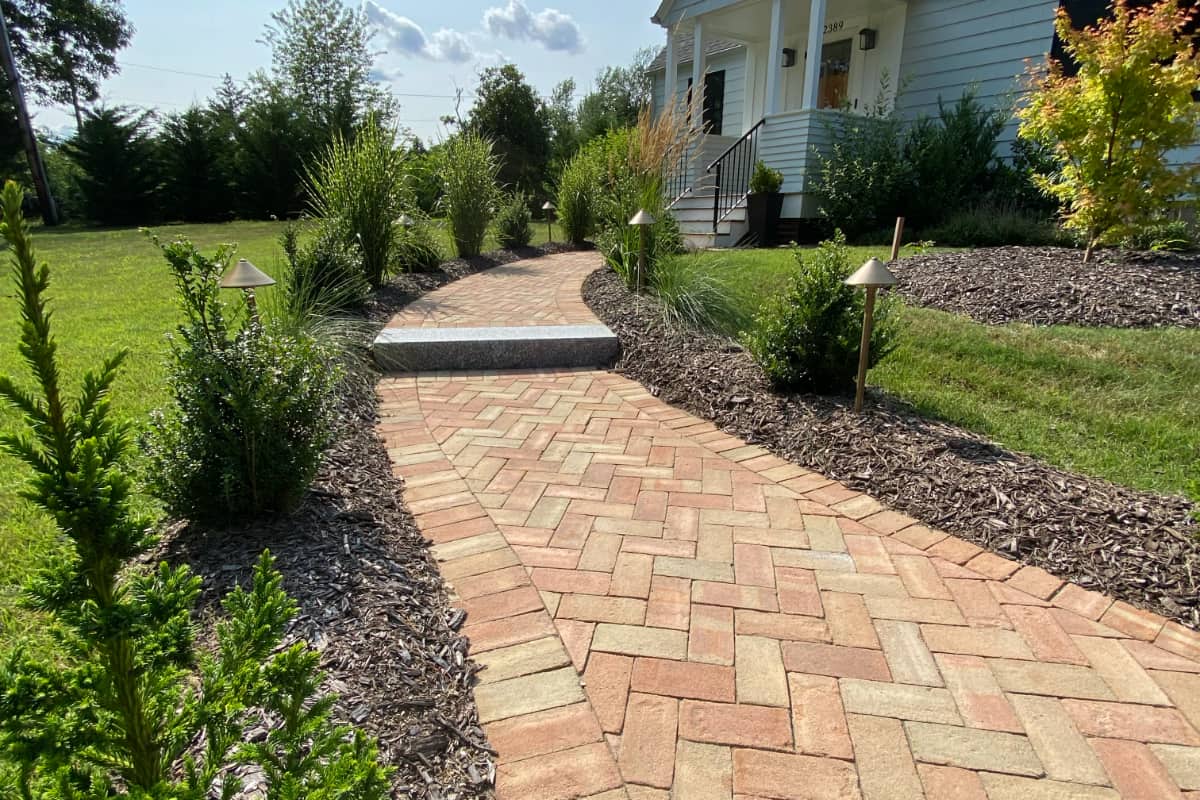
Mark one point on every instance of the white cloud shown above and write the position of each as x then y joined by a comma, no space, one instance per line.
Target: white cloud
405,37
549,27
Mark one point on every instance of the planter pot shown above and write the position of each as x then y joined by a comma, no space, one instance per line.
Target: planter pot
762,216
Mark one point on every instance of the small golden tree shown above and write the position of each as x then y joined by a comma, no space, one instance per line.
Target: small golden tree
1111,125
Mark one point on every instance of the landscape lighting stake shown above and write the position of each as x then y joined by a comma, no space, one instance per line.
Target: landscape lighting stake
896,238
643,220
548,207
873,275
247,277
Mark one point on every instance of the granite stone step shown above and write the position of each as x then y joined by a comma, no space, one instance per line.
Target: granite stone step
510,347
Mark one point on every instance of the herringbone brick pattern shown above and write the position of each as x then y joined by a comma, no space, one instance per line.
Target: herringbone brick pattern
666,611
538,291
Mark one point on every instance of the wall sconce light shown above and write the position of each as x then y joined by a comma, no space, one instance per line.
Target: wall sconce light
789,57
866,38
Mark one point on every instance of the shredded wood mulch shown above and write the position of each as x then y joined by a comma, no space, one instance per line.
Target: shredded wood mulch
370,595
1139,547
1052,286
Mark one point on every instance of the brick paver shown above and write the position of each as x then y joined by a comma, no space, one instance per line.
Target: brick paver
668,611
539,291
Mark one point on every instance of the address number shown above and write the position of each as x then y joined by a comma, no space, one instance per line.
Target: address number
834,27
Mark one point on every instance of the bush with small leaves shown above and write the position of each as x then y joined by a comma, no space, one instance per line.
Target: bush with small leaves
765,180
253,405
808,336
418,247
1163,235
513,222
127,705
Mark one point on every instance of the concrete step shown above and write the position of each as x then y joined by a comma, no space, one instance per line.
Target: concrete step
702,227
523,347
704,213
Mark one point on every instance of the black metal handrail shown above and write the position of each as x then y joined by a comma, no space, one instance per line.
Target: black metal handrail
732,170
676,180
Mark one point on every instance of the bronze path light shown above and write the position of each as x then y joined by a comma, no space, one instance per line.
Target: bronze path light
247,277
643,220
873,275
548,207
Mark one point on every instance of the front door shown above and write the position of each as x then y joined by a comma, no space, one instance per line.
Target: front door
833,90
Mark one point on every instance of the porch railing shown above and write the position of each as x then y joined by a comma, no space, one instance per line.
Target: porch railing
676,177
731,173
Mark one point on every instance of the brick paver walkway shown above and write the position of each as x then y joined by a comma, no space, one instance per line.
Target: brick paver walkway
665,611
540,291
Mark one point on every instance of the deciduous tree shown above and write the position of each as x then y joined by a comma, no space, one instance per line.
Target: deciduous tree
509,113
64,48
321,54
619,94
1111,125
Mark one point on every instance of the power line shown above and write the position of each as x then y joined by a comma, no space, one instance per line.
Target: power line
222,77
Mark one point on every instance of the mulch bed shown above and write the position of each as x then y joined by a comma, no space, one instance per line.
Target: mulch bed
1052,286
1139,547
370,595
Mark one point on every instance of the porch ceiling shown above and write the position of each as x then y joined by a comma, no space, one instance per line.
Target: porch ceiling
750,20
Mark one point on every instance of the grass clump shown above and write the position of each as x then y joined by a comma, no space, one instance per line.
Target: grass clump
691,297
469,168
358,187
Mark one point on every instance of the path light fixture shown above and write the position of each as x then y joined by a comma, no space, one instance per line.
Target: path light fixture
873,275
247,277
548,207
643,220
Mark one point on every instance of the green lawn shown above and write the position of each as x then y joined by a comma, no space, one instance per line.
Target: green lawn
110,289
1119,404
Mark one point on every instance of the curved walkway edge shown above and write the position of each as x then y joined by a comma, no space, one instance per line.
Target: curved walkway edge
664,611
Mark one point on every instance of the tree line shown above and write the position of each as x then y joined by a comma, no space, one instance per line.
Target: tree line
245,152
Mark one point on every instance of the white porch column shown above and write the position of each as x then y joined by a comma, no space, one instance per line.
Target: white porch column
812,61
671,76
774,58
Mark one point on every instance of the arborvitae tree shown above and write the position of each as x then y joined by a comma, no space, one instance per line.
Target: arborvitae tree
196,158
127,705
118,169
274,141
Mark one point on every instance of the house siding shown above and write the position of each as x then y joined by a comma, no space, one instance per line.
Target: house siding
734,64
950,47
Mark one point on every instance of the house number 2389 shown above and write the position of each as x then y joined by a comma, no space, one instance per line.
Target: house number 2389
834,27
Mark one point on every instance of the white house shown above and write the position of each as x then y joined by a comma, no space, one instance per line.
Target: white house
777,72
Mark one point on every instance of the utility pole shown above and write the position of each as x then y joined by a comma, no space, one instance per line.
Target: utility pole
36,167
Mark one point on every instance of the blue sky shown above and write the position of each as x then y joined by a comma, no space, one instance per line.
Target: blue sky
430,48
